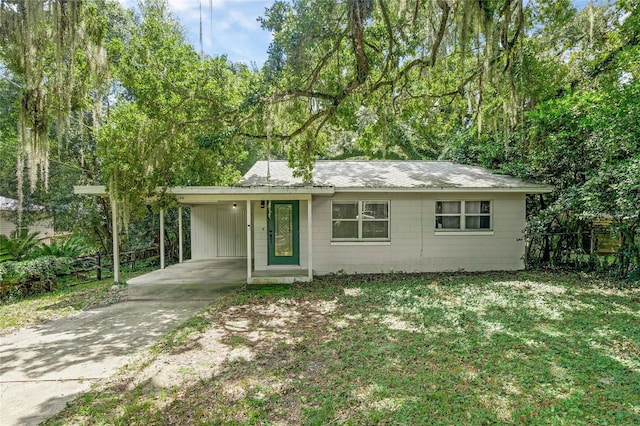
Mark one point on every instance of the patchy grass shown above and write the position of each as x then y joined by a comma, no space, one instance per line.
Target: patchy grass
528,347
66,300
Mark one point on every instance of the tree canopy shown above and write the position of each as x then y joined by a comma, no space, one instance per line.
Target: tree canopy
541,90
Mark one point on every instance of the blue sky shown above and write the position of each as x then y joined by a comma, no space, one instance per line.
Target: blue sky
231,27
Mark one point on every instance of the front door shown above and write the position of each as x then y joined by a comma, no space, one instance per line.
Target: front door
283,233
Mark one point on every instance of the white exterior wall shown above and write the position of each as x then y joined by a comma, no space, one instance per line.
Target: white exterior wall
259,236
44,227
415,246
215,233
204,220
6,227
232,230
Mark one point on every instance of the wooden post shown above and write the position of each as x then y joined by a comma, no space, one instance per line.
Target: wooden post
115,241
310,237
98,267
180,255
249,258
161,238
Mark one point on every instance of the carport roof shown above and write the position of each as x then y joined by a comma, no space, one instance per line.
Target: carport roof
212,194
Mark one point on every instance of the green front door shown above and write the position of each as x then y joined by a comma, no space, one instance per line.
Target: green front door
283,233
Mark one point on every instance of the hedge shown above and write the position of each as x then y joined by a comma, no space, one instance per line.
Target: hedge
32,276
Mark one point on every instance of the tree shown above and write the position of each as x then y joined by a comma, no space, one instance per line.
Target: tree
580,133
394,59
175,117
54,48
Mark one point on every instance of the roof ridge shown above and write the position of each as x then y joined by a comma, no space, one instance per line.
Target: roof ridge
373,161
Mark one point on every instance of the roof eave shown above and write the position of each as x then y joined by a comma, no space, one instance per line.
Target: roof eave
97,190
245,191
249,192
525,190
258,190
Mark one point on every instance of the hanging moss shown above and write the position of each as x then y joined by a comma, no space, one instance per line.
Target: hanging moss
54,47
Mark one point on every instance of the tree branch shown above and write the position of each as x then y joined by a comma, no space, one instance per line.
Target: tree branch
441,30
356,21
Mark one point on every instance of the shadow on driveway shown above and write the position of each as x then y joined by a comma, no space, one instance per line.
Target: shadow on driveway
42,368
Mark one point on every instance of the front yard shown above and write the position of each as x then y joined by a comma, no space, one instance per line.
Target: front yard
529,347
69,299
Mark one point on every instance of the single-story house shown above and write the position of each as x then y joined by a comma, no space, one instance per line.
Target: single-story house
360,217
43,226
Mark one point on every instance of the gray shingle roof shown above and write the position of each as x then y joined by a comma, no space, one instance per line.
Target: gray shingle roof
387,175
9,204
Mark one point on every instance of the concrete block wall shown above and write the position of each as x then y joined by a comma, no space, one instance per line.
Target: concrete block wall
415,245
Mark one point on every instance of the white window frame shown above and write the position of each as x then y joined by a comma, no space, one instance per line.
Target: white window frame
359,219
463,217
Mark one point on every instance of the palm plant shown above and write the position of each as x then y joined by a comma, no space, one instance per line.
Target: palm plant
71,247
18,245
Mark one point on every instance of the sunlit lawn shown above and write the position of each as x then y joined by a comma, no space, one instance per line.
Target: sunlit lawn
527,347
69,298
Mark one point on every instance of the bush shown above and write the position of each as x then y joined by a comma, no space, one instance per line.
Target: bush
18,246
21,278
72,247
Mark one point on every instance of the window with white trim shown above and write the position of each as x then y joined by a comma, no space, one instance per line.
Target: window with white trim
463,215
360,220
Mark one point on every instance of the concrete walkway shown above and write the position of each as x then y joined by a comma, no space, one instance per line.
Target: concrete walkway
44,367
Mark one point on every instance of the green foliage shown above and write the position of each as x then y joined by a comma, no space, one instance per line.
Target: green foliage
72,247
473,349
68,299
577,131
174,123
19,245
401,77
54,49
32,276
542,90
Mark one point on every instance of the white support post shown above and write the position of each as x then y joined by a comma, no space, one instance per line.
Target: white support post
115,241
249,258
310,237
180,256
161,238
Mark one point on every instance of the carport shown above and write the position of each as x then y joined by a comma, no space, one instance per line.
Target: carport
209,271
254,199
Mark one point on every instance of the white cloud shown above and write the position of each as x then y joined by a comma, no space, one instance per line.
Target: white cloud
229,27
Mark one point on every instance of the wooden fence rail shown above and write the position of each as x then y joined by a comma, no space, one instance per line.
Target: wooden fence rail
97,262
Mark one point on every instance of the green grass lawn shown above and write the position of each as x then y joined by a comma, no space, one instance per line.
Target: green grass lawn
68,299
523,348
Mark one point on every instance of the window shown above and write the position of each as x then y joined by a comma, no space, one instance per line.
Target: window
360,220
477,215
449,215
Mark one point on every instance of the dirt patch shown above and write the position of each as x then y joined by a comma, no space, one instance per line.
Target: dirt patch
254,338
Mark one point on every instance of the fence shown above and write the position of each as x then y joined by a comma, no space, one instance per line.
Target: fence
88,264
571,247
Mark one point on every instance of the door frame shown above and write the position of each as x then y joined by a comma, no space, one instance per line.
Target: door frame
295,220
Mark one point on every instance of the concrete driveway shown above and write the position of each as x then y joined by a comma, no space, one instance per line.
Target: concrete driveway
44,367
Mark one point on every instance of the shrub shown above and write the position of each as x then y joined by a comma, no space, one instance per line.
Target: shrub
21,278
71,247
18,246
